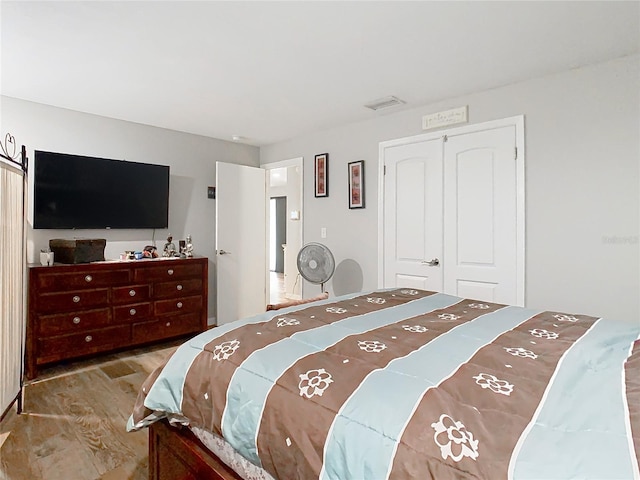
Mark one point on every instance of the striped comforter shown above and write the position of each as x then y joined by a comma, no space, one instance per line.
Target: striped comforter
411,384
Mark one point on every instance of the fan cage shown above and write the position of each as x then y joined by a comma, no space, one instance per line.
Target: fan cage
316,263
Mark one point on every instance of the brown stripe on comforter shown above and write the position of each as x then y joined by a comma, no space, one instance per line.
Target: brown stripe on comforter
484,408
204,402
292,415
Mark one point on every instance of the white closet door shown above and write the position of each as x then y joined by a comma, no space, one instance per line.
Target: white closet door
413,215
456,196
480,210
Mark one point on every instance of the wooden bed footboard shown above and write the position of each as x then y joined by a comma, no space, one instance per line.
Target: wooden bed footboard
176,454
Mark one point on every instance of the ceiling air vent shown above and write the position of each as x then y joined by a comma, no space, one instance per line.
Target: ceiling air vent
385,102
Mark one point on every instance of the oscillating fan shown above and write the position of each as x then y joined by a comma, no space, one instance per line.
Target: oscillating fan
316,263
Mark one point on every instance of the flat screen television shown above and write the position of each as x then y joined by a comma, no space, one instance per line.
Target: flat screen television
78,192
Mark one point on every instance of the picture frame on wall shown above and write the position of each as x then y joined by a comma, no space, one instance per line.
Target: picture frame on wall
321,169
356,184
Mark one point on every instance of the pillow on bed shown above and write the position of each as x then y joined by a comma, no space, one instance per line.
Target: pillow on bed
291,303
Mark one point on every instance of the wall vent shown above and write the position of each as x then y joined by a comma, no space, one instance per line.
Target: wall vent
385,102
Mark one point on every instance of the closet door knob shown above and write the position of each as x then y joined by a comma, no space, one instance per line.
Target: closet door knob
433,263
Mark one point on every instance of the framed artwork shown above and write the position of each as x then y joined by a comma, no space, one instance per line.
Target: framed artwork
356,184
322,175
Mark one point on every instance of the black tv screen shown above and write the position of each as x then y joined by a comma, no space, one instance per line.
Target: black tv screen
74,191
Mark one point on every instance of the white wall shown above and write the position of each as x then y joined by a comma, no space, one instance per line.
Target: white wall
191,158
582,186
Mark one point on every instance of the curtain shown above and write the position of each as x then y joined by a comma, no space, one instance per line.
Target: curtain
12,281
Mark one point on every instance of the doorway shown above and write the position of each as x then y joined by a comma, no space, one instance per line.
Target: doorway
277,246
277,233
285,216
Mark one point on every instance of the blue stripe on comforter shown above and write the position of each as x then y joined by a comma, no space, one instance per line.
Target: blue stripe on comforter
599,448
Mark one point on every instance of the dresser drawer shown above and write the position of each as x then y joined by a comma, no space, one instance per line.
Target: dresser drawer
168,327
81,279
178,305
132,293
177,289
50,325
168,271
128,313
72,301
75,345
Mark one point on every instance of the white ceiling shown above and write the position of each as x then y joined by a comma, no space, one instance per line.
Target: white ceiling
270,71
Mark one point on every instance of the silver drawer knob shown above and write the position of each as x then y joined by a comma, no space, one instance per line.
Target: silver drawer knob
88,278
88,338
168,324
179,287
179,305
76,299
132,311
170,271
132,293
76,320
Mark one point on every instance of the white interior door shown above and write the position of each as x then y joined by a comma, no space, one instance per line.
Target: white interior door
241,251
480,215
413,215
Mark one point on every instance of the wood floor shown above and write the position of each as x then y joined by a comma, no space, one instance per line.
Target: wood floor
74,418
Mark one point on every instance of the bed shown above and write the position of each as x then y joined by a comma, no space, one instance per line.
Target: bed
398,383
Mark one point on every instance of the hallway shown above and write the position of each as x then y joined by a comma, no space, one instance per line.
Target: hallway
276,287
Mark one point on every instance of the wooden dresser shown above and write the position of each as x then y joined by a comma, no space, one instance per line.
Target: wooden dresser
85,309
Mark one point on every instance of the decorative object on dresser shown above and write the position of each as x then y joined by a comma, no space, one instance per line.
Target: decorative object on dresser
169,249
188,248
78,250
80,310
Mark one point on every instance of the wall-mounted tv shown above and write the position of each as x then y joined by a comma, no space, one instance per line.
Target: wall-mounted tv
74,191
